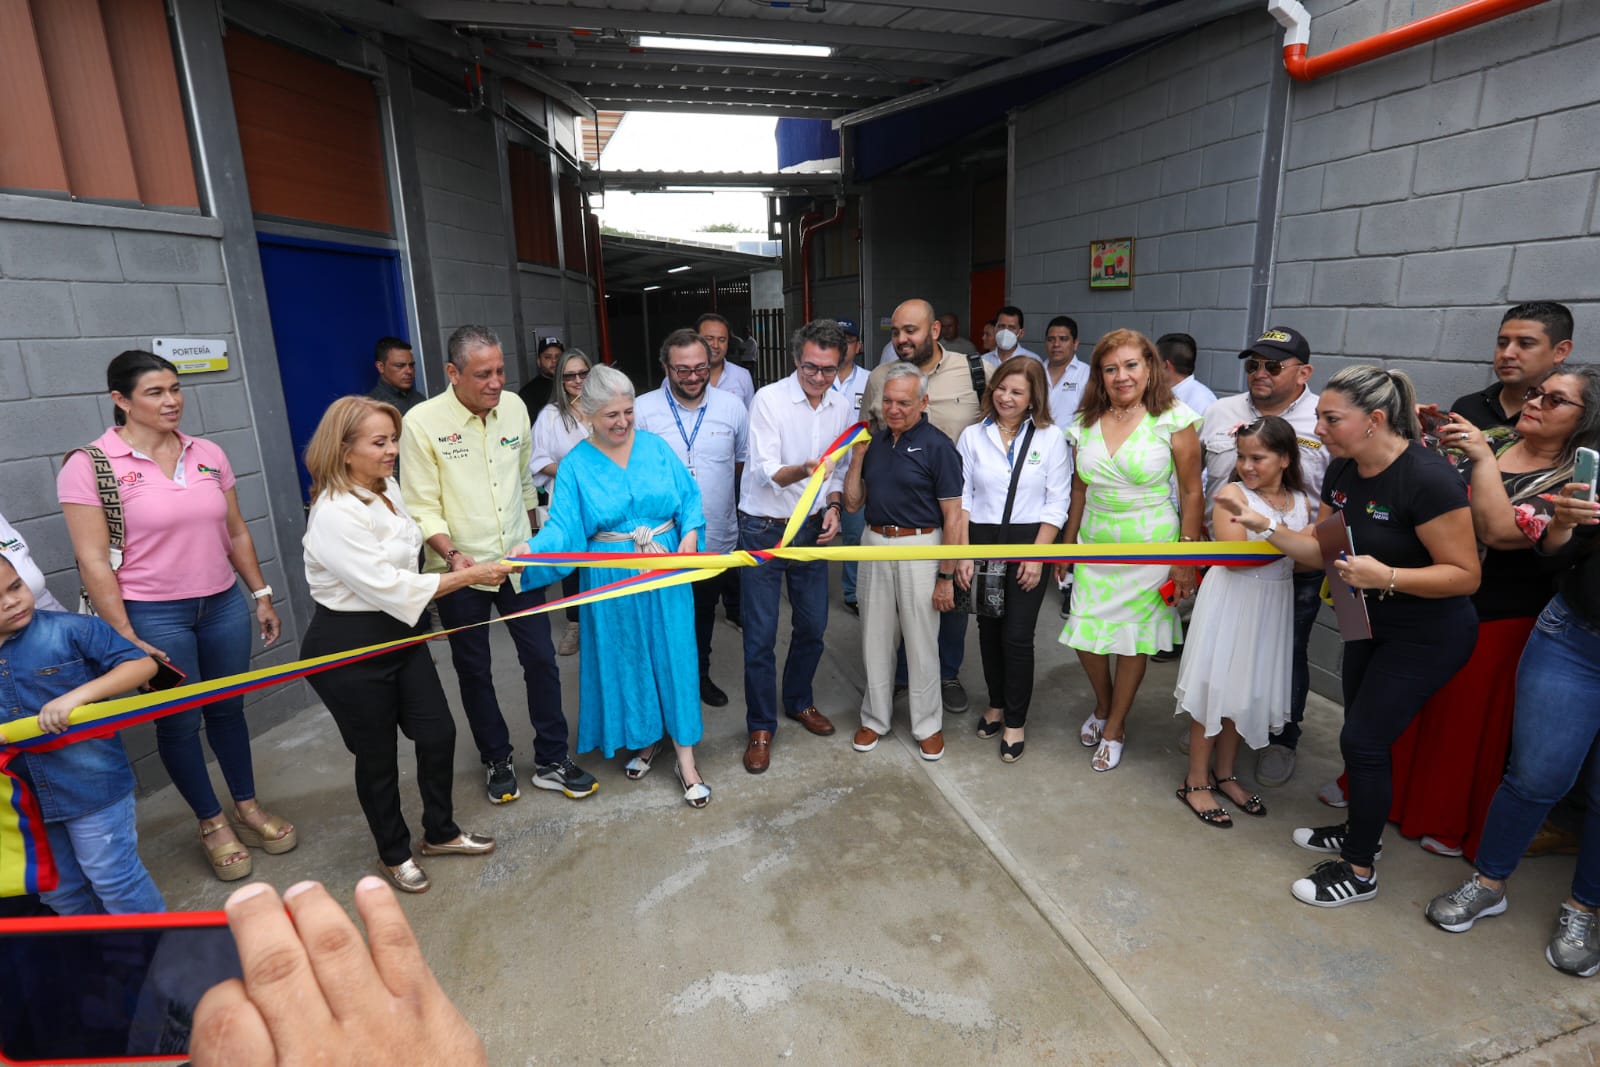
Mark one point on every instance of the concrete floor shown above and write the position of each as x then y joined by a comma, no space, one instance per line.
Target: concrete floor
847,908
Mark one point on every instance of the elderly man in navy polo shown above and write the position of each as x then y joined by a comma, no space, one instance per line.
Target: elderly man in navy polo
909,481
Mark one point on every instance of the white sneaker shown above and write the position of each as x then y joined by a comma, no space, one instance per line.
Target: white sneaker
1333,796
1437,847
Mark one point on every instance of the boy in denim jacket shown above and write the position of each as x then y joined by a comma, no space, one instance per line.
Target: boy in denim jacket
50,663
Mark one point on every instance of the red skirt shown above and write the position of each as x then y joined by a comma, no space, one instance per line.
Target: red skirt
1449,762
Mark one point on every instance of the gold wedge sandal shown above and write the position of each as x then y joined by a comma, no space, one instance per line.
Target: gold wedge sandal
274,836
229,862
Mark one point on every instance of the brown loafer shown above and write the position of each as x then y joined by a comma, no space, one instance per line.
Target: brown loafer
758,753
932,747
812,720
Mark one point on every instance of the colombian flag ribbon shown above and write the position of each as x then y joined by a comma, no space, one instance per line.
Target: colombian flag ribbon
25,862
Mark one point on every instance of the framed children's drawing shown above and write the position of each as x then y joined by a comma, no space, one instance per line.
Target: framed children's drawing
1111,263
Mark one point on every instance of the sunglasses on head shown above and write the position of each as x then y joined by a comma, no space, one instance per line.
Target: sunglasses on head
1273,367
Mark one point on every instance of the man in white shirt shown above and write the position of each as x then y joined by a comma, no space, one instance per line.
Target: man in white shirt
1178,355
725,374
1008,332
707,429
1067,374
792,424
955,394
950,336
468,485
1277,367
850,384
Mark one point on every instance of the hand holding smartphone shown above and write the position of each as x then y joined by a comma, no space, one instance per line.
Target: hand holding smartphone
1586,469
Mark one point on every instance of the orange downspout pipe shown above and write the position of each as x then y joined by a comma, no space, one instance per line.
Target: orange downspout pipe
809,225
1303,68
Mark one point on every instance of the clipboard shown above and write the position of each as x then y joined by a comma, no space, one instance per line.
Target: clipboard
1349,606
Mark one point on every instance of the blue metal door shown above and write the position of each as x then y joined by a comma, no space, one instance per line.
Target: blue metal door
329,305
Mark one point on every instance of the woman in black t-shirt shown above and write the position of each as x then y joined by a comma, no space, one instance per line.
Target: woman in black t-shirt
1417,562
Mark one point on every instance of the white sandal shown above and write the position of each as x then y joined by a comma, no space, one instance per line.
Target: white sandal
1109,753
1090,732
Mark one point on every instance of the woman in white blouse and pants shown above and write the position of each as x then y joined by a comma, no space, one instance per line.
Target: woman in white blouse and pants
361,549
1016,403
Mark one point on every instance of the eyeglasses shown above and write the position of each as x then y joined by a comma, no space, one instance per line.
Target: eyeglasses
1552,401
575,376
814,371
1273,367
699,370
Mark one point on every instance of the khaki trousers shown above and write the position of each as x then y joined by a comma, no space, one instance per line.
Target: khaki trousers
896,601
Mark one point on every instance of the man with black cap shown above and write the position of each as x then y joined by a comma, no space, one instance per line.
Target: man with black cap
536,393
1276,368
850,384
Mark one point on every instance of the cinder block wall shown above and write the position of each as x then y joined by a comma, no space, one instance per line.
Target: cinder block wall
78,284
1427,191
467,228
1166,148
920,229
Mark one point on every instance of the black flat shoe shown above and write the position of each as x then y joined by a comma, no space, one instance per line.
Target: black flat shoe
990,730
1011,753
1252,806
1217,817
711,694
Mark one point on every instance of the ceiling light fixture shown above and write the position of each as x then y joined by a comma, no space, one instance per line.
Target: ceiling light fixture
651,288
680,270
754,48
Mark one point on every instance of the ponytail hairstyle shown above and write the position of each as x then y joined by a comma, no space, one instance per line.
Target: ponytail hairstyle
123,374
1373,389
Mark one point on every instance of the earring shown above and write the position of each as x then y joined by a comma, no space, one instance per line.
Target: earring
1369,431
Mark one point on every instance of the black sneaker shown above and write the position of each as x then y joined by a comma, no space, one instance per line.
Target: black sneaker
1332,884
502,784
1328,839
711,693
564,777
852,607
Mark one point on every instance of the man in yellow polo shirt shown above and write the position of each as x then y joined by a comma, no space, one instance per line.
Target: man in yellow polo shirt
469,487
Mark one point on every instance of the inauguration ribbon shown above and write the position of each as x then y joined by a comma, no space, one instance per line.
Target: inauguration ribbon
25,862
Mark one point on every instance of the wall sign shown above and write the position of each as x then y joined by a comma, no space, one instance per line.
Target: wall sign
1111,263
190,355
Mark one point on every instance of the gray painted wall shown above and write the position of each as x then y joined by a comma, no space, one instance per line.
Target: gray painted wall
1165,147
910,225
78,284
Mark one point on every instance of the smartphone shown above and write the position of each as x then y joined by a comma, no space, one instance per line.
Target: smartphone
167,676
1431,421
108,988
1169,592
1586,469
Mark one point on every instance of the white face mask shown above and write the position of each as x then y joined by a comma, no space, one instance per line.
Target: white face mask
1005,340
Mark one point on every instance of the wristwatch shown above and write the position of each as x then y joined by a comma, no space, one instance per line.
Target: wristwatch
1272,528
946,577
264,593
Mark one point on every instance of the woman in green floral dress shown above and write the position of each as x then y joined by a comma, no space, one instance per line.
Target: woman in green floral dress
1130,436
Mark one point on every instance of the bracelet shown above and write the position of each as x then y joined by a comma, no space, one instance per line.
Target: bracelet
452,554
1389,592
264,593
834,504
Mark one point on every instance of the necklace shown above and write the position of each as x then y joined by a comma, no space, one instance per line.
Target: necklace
1281,512
1121,413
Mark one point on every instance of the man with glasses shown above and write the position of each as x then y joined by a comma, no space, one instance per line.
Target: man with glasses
1276,367
792,423
1534,339
955,391
707,428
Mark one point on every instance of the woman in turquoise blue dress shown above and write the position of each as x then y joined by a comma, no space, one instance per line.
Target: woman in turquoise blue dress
623,490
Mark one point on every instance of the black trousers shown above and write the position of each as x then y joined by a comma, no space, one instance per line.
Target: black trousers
1386,681
706,595
372,699
1006,643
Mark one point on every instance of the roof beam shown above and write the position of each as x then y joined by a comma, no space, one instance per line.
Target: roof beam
1087,11
692,106
486,13
547,58
588,81
715,96
654,179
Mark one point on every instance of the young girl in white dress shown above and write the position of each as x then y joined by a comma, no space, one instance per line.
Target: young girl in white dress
1234,682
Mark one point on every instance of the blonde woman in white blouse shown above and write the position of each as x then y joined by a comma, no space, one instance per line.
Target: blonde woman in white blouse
557,429
361,549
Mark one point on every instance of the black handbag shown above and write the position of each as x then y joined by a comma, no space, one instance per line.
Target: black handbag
986,596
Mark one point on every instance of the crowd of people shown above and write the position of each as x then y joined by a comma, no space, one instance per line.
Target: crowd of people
1472,545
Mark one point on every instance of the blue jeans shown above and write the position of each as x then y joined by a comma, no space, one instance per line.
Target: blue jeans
469,652
205,637
851,523
1307,603
760,589
1552,739
97,856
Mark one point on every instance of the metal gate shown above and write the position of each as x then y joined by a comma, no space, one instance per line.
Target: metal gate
772,344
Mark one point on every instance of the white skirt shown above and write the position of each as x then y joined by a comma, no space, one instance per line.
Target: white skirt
1236,658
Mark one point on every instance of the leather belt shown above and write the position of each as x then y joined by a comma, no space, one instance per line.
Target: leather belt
902,531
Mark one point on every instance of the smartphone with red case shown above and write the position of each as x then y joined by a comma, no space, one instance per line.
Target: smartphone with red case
167,676
1169,592
108,988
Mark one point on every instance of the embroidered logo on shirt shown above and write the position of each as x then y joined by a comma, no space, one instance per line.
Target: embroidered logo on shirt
1379,512
1034,458
450,440
1309,442
203,469
510,442
131,477
11,545
1339,498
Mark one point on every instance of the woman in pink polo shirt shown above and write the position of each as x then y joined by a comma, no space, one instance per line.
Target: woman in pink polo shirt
175,593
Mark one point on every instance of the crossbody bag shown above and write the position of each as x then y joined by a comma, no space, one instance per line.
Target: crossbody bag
105,482
986,596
